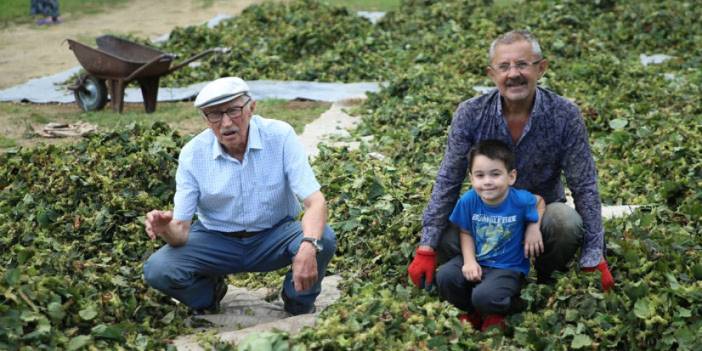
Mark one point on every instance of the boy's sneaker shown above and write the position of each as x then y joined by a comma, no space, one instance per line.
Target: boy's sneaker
493,320
44,21
472,318
48,21
295,308
219,291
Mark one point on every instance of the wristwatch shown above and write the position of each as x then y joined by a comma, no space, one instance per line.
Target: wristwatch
316,243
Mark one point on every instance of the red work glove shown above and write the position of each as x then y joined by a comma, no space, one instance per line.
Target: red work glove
607,279
421,270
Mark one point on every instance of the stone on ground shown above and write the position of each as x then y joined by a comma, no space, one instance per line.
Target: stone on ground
245,312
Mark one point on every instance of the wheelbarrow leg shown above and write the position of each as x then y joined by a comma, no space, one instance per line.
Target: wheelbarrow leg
149,91
117,94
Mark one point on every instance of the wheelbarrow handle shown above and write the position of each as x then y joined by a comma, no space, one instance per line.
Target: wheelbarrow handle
147,65
193,58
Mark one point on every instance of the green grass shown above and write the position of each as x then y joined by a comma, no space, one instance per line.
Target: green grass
367,5
107,119
181,116
6,142
206,3
184,113
17,11
297,113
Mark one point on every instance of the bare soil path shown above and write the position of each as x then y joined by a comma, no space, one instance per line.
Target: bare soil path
28,51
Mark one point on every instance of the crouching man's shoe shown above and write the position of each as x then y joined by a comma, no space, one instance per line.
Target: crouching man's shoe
220,290
295,308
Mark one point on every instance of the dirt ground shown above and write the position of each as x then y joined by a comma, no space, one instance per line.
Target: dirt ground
29,51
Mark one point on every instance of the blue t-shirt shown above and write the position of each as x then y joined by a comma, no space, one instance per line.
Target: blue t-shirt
498,231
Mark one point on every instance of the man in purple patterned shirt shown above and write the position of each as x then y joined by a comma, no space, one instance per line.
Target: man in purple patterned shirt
548,135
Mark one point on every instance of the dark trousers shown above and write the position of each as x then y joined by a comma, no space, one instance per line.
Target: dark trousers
44,7
492,295
562,232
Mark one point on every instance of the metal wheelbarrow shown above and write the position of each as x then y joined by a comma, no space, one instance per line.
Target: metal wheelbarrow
119,61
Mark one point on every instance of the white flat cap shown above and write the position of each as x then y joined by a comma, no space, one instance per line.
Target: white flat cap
220,91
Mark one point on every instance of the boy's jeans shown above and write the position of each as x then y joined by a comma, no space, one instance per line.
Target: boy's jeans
188,273
562,232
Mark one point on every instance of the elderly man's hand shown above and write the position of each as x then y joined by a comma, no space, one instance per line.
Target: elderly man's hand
156,223
304,267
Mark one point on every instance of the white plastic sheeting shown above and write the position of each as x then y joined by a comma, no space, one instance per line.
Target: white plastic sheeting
654,59
372,16
50,90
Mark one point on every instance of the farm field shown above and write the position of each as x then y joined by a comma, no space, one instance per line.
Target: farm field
70,215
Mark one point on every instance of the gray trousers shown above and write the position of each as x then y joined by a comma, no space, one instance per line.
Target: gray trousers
562,232
492,295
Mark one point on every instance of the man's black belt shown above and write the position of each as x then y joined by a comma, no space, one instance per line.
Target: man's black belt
241,234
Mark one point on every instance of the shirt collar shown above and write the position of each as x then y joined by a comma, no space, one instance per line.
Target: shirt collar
253,143
536,110
254,134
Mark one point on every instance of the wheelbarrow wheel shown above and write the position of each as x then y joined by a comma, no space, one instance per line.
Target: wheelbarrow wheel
91,95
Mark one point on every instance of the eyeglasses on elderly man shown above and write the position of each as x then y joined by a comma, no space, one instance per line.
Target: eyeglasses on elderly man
231,111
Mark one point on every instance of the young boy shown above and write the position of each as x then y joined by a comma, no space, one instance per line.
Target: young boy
499,231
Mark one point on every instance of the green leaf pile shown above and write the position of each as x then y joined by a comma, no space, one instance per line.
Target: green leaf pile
73,246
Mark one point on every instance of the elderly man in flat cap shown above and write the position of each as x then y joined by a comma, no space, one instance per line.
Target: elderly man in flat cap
244,176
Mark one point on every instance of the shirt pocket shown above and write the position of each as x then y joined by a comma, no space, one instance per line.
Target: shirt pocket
217,196
269,186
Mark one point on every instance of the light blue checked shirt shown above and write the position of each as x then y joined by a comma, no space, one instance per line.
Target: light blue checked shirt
251,195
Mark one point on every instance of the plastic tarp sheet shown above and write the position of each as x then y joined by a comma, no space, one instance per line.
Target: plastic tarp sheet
373,16
654,59
50,90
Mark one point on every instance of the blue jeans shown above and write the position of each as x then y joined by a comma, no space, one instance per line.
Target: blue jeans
562,233
189,273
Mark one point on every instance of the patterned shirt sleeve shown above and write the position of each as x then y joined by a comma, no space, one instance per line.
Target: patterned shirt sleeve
581,177
451,174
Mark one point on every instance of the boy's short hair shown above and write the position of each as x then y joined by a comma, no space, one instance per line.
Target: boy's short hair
494,150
